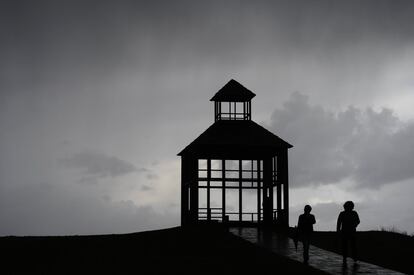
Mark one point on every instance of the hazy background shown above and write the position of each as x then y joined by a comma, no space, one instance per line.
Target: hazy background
98,97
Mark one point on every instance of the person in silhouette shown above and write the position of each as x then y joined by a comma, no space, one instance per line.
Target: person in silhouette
305,229
346,225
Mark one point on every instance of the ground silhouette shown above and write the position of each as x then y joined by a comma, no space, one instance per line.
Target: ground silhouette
205,250
387,249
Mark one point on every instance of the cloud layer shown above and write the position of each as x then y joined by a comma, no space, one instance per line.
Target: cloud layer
132,80
67,210
370,147
94,165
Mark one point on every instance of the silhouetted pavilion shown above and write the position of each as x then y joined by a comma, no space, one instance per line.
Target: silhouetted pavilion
235,157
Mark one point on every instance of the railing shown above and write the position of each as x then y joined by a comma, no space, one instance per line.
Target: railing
216,213
232,116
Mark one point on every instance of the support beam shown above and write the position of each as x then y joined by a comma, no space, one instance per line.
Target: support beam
274,185
279,167
215,110
193,181
267,194
286,188
240,191
271,189
223,190
250,110
184,192
259,203
208,189
283,187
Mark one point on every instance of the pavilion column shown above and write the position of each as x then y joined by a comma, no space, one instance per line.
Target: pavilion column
284,181
223,190
267,191
279,167
193,181
271,181
259,201
274,185
184,191
240,191
208,189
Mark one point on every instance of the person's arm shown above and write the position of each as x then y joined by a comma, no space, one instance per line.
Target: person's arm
313,219
339,223
357,221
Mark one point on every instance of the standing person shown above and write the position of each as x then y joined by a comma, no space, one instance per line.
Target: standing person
346,225
305,229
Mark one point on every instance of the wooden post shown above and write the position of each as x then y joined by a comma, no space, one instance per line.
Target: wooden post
267,187
279,165
184,191
285,188
215,110
250,110
208,189
282,186
259,203
240,191
193,170
223,190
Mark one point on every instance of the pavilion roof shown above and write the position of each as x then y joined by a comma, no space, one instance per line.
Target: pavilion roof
235,135
233,91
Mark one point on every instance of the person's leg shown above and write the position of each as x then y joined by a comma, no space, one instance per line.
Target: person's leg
344,242
306,249
352,240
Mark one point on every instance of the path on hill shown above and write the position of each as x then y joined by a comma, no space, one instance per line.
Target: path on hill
318,258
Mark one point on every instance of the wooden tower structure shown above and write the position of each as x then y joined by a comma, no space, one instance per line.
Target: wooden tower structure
236,171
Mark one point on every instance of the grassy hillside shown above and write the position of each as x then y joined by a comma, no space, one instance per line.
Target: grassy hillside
169,251
388,249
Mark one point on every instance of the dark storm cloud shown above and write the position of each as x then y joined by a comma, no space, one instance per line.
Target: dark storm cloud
52,37
96,165
60,50
371,147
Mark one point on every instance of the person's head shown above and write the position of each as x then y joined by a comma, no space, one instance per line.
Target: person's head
348,206
307,209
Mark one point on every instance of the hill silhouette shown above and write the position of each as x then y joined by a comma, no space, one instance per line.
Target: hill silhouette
196,250
205,250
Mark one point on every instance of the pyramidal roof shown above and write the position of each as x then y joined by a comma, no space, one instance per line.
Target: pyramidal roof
231,135
233,91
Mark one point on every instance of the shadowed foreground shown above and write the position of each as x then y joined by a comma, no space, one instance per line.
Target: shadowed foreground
386,249
172,251
321,259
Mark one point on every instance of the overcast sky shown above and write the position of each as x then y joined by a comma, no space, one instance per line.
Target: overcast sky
98,97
